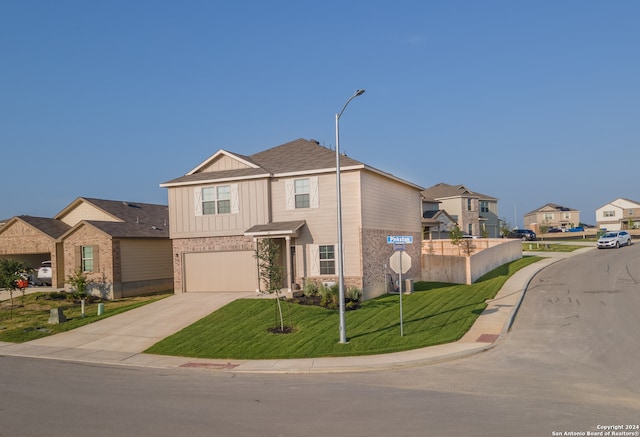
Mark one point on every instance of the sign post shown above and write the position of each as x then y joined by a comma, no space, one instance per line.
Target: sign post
396,264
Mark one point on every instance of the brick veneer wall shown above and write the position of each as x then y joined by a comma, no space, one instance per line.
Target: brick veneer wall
376,253
22,239
104,278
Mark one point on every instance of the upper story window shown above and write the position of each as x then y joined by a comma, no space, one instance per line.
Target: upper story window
221,199
609,213
469,204
484,206
548,216
302,193
630,212
567,216
216,200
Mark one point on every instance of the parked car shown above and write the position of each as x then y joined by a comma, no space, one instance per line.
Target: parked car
614,239
44,273
523,234
554,230
577,229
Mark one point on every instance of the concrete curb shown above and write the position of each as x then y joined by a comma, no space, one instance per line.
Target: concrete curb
467,346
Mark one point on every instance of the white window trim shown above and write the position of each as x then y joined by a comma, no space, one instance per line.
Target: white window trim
290,193
197,199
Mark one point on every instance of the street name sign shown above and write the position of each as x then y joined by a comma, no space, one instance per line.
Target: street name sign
399,239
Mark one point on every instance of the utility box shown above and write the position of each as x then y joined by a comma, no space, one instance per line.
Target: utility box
56,316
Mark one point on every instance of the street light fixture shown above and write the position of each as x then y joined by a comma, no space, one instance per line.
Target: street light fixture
343,328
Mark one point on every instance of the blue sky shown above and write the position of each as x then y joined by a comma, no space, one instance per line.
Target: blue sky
529,102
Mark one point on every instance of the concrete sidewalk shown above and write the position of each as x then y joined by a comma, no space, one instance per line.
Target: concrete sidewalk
121,339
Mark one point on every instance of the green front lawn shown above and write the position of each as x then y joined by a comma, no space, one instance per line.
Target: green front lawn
436,313
28,318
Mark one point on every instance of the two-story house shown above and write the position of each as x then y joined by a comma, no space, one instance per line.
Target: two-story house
436,223
475,213
619,214
220,209
552,215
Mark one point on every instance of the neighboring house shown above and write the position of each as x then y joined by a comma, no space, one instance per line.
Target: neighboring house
436,223
475,213
552,215
123,247
221,208
619,214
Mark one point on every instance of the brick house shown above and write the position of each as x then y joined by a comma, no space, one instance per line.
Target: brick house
123,247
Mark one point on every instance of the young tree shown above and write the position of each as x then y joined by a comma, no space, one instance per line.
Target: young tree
80,283
270,271
505,227
457,239
11,272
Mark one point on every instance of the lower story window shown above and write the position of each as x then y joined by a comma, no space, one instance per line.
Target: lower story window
87,258
327,260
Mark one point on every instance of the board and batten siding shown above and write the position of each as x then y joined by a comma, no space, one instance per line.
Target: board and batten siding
387,204
85,211
144,259
223,163
253,209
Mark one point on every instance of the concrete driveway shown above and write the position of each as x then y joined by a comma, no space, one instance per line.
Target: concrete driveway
136,330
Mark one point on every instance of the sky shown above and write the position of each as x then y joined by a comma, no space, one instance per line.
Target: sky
531,102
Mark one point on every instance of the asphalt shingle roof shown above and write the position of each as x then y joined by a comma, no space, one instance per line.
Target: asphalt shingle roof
295,156
52,227
443,190
139,220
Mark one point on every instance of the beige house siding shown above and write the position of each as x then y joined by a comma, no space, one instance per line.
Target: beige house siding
323,222
621,214
458,208
253,198
144,260
85,211
388,208
126,267
389,205
223,163
552,218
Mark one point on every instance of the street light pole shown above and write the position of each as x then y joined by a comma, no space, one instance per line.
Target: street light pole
343,328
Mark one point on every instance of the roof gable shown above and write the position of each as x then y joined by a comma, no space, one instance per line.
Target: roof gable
142,215
223,160
51,227
442,191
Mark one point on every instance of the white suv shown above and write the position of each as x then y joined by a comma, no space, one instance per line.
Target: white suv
614,239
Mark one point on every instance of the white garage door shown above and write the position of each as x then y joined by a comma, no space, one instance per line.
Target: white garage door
221,271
